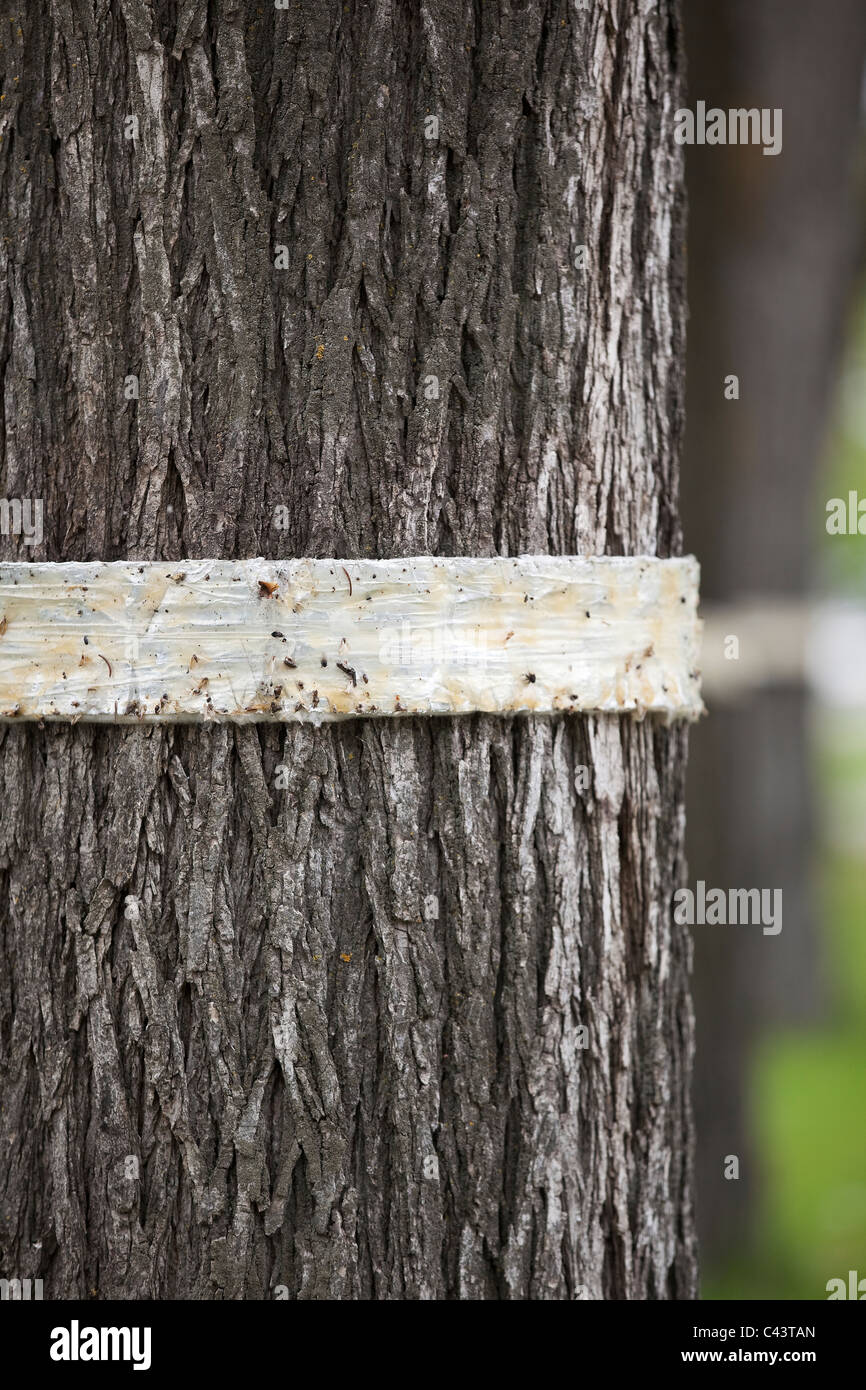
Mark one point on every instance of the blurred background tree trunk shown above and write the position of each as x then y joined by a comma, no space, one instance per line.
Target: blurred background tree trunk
334,1045
773,248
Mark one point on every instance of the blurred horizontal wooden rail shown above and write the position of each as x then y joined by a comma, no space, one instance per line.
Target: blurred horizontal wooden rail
316,640
820,644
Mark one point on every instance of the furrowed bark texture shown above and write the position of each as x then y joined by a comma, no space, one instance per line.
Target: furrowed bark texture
333,1046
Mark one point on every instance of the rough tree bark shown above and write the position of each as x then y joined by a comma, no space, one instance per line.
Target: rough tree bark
336,1048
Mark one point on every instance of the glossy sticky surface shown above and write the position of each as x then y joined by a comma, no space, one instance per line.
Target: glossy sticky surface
326,639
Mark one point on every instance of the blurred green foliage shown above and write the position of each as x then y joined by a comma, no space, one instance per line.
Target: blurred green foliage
808,1087
808,1095
842,559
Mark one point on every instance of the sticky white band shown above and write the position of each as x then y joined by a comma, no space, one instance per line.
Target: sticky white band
315,640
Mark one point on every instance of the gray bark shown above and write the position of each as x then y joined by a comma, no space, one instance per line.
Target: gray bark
329,987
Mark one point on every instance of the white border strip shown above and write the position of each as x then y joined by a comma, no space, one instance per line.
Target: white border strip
316,640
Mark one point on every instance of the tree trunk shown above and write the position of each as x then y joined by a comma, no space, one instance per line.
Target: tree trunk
335,1047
